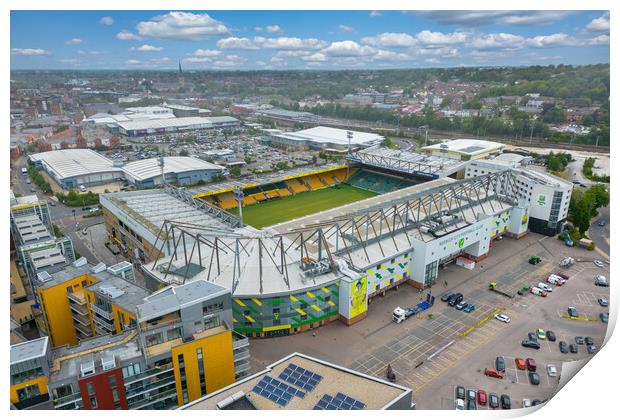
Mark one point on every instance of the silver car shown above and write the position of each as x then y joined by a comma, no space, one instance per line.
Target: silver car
552,370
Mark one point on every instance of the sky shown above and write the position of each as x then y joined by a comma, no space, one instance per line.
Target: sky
281,40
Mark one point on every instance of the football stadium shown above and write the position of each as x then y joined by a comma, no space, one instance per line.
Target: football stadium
311,247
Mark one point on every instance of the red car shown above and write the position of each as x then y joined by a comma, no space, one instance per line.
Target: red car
494,373
531,364
482,397
520,363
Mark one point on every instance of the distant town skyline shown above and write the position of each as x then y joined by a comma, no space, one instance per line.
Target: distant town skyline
287,40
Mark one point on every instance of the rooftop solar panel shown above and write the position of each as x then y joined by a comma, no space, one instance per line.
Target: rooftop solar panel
339,402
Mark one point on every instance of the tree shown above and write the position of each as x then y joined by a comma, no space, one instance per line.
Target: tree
235,171
184,152
555,164
580,210
281,165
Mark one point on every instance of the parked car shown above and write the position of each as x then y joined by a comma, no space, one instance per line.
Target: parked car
86,208
589,341
456,299
552,370
534,378
33,190
545,287
531,364
599,263
591,348
604,317
500,364
482,397
461,305
471,394
520,363
471,405
526,403
573,348
446,297
502,317
505,401
459,404
534,259
493,401
550,335
603,302
536,402
494,373
538,292
601,281
563,347
540,333
530,344
460,392
469,308
572,311
579,340
532,336
562,275
601,223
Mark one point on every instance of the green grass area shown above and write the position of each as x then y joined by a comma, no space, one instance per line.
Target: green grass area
270,212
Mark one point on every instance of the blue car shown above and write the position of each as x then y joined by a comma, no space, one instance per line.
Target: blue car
469,308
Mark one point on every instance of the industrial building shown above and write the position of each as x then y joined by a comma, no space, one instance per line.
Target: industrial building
30,205
181,111
71,168
177,347
464,149
321,138
300,382
138,128
179,170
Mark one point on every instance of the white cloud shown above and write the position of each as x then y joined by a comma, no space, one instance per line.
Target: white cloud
73,41
234,43
30,52
133,62
106,20
230,61
391,40
261,63
197,60
554,40
599,24
69,60
182,25
347,49
276,59
599,40
293,53
433,60
258,29
376,13
345,29
444,52
497,41
206,53
94,52
127,36
509,17
146,48
384,55
289,43
439,38
315,58
273,29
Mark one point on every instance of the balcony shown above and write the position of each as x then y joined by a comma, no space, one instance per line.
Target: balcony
80,309
242,367
82,319
239,341
66,400
82,329
32,401
166,321
240,355
148,373
101,311
166,380
172,393
77,297
104,323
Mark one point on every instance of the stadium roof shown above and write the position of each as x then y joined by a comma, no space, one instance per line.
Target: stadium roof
373,393
149,168
466,147
68,163
330,135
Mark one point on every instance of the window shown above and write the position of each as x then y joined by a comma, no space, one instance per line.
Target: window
112,381
93,402
393,260
379,267
90,388
115,396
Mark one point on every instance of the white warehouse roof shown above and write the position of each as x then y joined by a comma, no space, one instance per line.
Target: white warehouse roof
467,147
331,135
68,163
173,123
149,168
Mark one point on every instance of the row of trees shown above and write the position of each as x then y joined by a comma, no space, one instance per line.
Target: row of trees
584,205
38,179
74,199
588,164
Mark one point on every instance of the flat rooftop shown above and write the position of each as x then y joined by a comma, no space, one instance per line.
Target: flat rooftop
330,135
468,147
29,350
149,168
372,393
121,292
68,163
174,122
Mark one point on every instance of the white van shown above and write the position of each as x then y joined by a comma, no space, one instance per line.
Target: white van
557,280
537,291
82,188
545,287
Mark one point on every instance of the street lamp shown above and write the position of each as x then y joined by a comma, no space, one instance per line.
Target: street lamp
74,219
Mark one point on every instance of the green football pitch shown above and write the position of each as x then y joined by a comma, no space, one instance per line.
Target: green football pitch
270,212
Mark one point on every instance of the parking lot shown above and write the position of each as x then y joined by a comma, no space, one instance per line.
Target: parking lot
432,355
